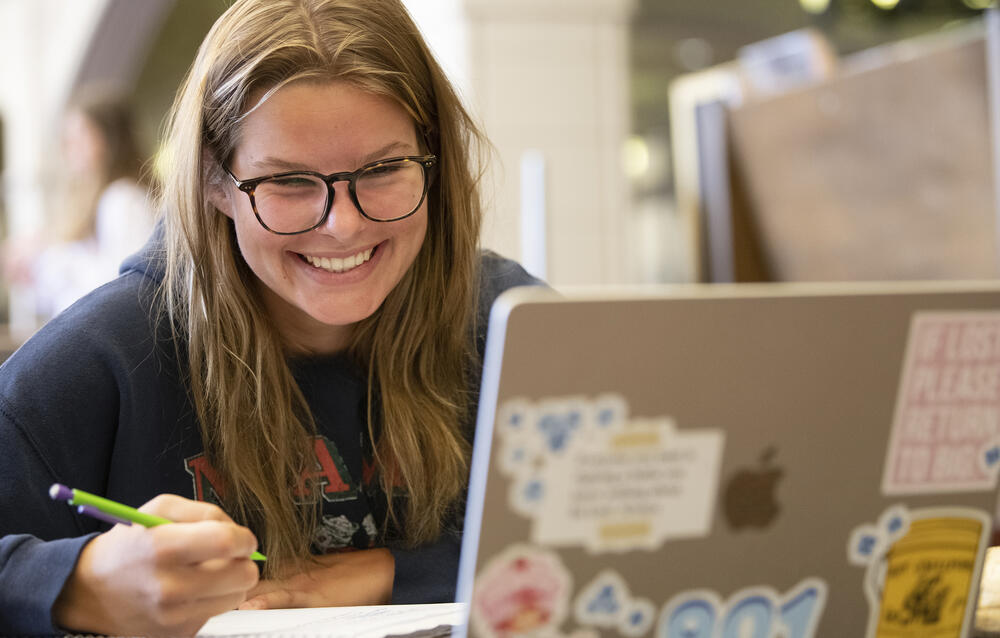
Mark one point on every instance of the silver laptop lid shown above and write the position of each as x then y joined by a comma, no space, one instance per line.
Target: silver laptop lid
732,461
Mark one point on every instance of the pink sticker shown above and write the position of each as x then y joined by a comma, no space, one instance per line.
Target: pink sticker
946,430
523,590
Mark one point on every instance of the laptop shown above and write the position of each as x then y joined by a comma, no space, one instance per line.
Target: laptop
742,461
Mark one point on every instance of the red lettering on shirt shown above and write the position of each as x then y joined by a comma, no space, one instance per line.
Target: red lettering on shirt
331,472
208,485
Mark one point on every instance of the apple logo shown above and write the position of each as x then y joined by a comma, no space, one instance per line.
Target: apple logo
748,498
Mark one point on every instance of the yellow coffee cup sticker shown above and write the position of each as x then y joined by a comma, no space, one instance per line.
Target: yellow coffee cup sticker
922,570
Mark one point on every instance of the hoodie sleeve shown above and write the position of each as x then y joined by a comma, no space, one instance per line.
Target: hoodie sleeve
40,541
60,401
32,575
427,574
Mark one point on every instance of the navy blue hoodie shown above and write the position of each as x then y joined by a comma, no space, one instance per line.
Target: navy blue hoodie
95,400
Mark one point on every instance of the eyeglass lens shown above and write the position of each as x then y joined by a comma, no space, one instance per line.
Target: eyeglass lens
297,202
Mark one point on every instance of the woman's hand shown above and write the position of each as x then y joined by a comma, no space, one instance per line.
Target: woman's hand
165,580
362,577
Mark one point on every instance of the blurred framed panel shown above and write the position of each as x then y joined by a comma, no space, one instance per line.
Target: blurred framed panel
884,171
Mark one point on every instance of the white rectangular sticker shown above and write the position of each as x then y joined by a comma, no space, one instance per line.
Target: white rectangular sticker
591,476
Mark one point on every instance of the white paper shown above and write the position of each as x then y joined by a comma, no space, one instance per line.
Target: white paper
374,621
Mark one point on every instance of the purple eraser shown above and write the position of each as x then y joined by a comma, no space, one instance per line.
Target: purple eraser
60,492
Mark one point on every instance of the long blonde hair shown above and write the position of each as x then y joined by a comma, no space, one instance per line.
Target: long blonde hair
415,349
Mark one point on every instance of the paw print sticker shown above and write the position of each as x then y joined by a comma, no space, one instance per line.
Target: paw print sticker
864,545
992,456
557,428
989,458
606,602
638,618
610,411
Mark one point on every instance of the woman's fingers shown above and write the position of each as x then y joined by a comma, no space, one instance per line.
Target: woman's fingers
226,576
362,577
279,599
212,579
191,543
183,510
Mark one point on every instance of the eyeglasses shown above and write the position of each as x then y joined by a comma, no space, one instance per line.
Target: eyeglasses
298,201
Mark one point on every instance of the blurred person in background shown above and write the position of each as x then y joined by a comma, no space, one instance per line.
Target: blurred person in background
103,214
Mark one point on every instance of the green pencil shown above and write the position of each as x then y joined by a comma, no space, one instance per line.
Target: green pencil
110,511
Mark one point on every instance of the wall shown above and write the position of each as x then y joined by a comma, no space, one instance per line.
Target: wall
548,79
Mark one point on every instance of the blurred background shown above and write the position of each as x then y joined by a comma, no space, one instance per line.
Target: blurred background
637,141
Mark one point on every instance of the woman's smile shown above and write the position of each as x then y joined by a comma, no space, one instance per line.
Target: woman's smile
338,265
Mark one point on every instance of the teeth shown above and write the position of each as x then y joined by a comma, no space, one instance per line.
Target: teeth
333,264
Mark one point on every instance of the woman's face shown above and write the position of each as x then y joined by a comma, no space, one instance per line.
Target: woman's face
325,127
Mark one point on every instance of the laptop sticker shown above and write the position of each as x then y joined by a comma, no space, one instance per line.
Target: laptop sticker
946,428
589,475
638,618
606,602
759,612
869,541
523,590
922,570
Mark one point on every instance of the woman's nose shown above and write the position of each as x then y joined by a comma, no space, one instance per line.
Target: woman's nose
343,219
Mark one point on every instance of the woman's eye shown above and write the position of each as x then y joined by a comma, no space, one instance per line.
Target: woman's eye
291,181
383,169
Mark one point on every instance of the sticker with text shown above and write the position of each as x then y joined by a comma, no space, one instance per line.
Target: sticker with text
606,602
922,570
946,427
522,591
755,611
589,475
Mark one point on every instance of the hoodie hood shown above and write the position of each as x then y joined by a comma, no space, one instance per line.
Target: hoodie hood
151,259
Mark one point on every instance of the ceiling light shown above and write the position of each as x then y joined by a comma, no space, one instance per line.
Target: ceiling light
815,6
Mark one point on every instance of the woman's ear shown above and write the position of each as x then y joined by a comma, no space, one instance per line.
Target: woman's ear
220,197
215,185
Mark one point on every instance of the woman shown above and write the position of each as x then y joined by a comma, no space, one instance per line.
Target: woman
300,340
104,213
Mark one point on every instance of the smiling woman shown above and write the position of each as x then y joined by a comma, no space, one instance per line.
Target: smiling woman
292,361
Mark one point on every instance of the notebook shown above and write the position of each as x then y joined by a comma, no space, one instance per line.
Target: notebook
744,461
375,621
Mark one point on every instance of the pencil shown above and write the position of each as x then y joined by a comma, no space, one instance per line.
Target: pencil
111,511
